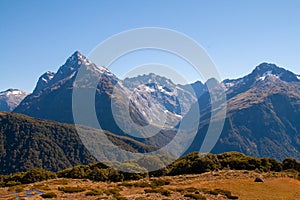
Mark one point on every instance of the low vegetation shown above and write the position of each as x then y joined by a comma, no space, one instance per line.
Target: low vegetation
159,190
94,192
71,189
49,195
195,196
191,164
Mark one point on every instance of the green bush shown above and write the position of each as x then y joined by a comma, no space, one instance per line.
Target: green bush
115,192
12,183
195,196
158,190
71,189
40,187
94,193
291,163
49,195
159,182
98,174
18,188
35,175
112,191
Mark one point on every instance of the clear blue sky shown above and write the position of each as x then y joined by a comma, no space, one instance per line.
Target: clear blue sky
37,36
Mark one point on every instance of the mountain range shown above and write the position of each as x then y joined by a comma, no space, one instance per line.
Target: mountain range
153,100
262,119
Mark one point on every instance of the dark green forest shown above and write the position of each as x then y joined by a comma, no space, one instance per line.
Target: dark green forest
27,143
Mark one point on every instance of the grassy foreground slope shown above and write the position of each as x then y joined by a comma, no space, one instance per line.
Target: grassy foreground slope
224,184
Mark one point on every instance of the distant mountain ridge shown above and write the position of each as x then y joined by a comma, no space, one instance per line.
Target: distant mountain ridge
262,71
11,98
263,112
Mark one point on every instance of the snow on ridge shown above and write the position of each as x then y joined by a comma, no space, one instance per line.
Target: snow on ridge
102,70
267,73
228,85
16,92
12,92
147,88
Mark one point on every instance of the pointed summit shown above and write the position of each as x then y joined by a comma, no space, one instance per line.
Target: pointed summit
77,59
76,56
65,72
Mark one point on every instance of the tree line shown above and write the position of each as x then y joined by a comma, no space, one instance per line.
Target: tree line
193,163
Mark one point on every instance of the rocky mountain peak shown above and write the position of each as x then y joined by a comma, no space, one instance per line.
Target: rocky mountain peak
66,72
266,69
266,66
77,59
44,81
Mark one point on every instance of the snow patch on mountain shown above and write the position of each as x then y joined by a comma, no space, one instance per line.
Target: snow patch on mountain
104,70
263,77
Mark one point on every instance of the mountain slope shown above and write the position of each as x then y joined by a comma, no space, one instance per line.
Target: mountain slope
26,142
263,115
10,99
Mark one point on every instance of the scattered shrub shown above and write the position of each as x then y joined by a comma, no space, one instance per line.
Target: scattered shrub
49,195
195,196
40,187
12,183
112,191
158,190
159,182
94,193
35,175
18,188
115,192
71,189
126,184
